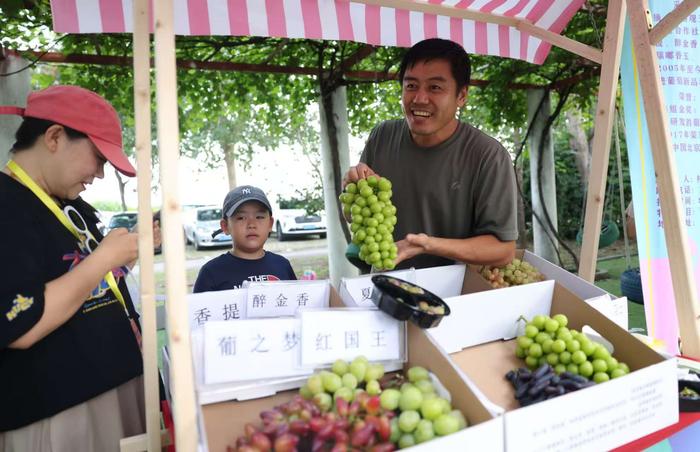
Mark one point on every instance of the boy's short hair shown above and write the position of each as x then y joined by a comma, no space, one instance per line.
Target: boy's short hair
439,49
242,194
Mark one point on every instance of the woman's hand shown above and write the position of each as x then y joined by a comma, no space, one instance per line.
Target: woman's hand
119,247
64,295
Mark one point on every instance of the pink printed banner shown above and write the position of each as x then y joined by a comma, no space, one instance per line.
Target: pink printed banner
678,56
336,20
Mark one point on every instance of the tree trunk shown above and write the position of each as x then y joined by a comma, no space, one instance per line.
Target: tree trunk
542,181
579,143
230,158
13,91
522,242
122,184
336,160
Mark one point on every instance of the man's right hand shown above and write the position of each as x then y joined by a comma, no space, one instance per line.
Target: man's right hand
355,173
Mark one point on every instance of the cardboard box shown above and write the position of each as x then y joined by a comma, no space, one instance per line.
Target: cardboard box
479,337
458,279
222,423
474,282
444,282
574,283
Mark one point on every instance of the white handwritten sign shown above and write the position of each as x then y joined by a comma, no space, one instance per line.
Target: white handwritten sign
327,335
613,308
279,299
251,349
211,306
358,291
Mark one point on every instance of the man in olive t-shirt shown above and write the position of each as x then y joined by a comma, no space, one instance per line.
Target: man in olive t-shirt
453,185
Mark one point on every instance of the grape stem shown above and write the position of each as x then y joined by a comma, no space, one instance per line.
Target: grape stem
522,318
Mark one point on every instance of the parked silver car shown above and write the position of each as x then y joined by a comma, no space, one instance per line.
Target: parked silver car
201,224
126,220
297,223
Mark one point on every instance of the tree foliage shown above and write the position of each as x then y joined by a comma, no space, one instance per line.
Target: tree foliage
264,110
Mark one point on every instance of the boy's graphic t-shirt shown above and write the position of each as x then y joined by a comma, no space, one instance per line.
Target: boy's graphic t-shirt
229,272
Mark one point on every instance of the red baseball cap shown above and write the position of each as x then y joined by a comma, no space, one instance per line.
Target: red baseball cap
84,111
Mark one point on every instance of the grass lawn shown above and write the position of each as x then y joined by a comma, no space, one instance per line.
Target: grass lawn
615,267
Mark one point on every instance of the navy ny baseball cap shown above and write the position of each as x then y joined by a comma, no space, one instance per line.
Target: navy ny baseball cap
243,194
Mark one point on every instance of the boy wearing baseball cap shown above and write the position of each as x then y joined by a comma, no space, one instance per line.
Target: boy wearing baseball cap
247,217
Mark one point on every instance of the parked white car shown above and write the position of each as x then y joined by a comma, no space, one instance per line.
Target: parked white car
201,223
297,223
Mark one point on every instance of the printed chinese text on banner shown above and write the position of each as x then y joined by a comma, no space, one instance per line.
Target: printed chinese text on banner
679,62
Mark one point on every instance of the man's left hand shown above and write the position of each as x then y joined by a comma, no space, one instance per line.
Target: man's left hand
411,246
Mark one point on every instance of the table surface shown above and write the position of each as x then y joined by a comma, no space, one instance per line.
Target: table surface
685,419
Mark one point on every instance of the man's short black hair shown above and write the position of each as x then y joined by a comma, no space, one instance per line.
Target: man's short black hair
443,49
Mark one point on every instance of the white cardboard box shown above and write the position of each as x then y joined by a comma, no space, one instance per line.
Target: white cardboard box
222,423
453,280
478,335
444,282
474,282
579,286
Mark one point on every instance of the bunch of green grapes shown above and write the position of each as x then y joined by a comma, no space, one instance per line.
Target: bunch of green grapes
421,414
344,381
373,216
516,273
548,341
398,409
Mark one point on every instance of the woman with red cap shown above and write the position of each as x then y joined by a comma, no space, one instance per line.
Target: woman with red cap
70,360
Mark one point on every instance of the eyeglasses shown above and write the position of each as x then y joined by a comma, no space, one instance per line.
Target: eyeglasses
78,222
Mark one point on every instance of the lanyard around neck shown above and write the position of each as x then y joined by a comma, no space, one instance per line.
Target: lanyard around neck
23,177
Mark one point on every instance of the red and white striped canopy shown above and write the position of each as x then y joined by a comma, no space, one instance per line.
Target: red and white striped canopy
337,19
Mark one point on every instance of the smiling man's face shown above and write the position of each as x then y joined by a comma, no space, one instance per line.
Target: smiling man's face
430,101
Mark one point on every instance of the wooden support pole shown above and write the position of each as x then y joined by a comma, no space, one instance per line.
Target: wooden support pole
140,443
672,20
142,132
677,244
573,46
181,374
604,116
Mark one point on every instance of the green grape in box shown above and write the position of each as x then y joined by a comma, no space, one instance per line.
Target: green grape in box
549,340
516,273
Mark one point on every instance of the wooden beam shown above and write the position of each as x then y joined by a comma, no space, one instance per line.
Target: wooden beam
672,20
379,76
181,374
362,53
524,26
142,133
441,10
110,60
573,46
677,244
604,116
